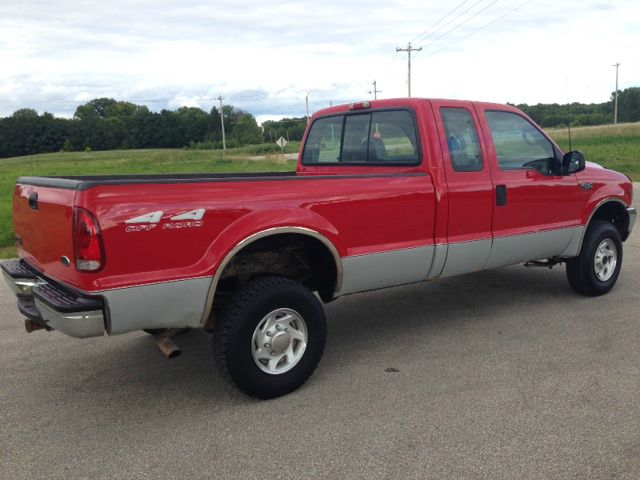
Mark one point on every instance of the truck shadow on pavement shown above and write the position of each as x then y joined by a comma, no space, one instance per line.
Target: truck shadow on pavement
129,371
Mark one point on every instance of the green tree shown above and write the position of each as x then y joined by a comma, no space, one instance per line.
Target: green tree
27,114
289,128
194,123
246,130
96,108
629,105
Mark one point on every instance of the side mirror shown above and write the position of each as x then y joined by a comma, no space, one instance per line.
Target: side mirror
573,162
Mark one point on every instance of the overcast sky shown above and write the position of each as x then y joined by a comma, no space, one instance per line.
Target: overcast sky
265,56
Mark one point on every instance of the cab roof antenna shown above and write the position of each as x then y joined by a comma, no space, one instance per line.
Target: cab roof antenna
569,109
569,126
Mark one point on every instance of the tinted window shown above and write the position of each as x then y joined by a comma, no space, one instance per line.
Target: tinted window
392,138
323,141
462,140
519,144
386,137
356,134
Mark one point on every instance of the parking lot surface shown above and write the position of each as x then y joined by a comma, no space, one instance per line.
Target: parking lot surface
499,374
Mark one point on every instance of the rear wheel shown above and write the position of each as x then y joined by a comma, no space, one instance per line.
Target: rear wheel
595,271
270,338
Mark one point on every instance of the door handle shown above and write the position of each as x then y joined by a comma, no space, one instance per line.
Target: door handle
33,201
501,195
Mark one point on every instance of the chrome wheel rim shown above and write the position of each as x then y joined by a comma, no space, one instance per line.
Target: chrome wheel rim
279,341
605,260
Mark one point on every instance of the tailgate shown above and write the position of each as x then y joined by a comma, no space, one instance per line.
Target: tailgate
43,221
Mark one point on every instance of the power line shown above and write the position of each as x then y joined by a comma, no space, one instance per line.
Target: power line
395,56
439,20
455,27
375,90
453,19
486,25
409,49
224,142
615,110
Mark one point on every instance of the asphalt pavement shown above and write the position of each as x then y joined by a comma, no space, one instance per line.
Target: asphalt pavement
501,374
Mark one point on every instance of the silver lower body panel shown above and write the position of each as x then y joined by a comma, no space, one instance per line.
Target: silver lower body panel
386,269
563,242
176,304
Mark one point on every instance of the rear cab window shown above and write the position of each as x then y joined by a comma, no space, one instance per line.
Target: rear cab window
384,137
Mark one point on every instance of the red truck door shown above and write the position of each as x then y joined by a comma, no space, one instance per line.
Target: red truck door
469,186
536,210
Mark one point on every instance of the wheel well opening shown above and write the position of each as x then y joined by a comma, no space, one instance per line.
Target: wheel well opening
291,255
615,213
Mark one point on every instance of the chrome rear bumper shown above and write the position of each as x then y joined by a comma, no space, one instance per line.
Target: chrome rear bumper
53,306
80,324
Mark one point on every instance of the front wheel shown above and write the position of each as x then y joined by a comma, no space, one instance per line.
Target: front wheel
270,338
595,271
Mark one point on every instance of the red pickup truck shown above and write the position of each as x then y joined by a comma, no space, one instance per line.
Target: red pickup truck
386,193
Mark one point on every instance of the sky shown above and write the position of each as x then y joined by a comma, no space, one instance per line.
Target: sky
267,56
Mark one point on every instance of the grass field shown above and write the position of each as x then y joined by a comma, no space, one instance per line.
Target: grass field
616,147
613,146
121,162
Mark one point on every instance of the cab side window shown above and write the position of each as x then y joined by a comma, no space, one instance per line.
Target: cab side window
520,145
462,140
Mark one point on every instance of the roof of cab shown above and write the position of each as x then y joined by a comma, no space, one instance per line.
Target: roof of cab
400,102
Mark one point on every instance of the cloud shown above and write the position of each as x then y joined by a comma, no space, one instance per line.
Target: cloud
265,57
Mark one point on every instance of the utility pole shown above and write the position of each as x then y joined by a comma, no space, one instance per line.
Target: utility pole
408,50
615,108
224,142
375,91
307,103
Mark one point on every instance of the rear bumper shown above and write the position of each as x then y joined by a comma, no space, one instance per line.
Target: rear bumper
633,214
51,305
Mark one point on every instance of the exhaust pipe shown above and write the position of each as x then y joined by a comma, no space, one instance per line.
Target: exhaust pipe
168,348
166,345
31,326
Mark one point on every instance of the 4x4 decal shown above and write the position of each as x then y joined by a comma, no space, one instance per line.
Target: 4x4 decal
149,221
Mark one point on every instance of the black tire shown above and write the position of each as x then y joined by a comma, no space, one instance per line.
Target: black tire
581,271
234,331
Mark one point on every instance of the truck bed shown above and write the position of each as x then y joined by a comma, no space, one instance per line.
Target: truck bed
147,238
84,182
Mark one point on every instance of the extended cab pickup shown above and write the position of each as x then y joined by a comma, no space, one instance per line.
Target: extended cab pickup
386,193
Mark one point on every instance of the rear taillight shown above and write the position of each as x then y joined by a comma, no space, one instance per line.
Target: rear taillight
87,239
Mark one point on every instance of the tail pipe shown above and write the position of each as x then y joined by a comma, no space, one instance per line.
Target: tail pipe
168,348
31,326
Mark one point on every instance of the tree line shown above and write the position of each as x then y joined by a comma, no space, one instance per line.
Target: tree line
581,114
107,124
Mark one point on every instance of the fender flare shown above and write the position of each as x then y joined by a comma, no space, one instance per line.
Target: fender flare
600,204
263,234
